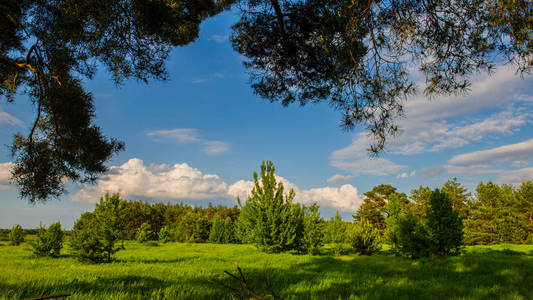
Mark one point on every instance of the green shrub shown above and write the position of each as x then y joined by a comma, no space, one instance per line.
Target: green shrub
16,235
49,241
144,232
413,237
217,234
164,235
364,238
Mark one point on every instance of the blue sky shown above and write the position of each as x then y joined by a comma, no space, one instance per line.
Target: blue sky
198,138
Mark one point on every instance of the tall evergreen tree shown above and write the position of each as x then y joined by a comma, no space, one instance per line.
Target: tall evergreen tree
444,224
480,227
269,217
524,204
458,194
420,198
374,205
336,233
109,212
313,236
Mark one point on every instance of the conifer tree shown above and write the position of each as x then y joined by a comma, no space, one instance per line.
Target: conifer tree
524,205
269,218
364,238
85,239
444,224
217,234
336,233
16,235
458,194
374,205
144,233
49,241
313,236
420,198
480,226
164,234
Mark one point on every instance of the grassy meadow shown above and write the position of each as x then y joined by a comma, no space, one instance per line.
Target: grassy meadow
182,271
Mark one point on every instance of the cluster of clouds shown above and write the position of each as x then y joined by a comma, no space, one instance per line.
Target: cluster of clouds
183,182
503,102
189,136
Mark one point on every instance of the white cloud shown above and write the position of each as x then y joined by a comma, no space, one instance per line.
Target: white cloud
9,119
219,38
189,136
182,182
344,198
433,126
215,147
519,153
517,176
339,178
178,135
162,182
5,175
402,175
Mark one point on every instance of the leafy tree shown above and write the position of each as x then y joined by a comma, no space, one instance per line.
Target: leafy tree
374,205
458,194
269,218
336,233
164,234
49,241
85,239
144,233
364,238
444,224
313,235
16,235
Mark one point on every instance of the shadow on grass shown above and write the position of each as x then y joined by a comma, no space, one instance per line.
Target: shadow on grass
487,275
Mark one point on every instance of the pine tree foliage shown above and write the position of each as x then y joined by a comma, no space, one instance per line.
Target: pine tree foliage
16,235
336,233
444,225
458,194
313,235
164,234
85,239
145,233
420,198
49,241
374,205
483,214
269,218
109,214
217,234
364,238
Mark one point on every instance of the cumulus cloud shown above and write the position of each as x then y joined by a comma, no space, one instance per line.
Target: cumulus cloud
183,182
164,182
189,136
339,178
429,172
5,175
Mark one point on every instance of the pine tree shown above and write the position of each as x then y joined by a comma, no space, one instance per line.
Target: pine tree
85,239
109,214
313,236
364,238
164,234
336,233
444,224
16,235
229,231
480,226
49,241
269,218
420,198
524,207
458,194
217,234
374,205
144,233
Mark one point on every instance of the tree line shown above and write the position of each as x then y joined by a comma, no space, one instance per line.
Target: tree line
427,222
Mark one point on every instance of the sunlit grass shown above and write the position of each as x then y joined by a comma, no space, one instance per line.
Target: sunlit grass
182,271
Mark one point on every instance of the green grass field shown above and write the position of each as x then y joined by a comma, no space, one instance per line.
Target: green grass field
182,271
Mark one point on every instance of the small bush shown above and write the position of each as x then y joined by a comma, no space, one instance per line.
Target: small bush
16,235
49,241
364,238
413,237
145,231
164,234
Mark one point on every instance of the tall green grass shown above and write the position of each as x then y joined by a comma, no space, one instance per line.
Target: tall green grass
182,271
